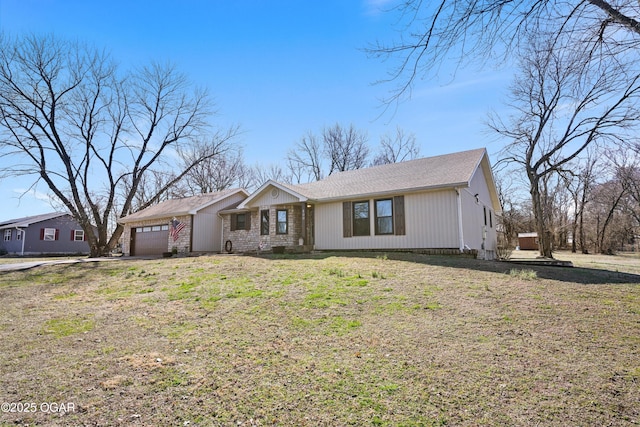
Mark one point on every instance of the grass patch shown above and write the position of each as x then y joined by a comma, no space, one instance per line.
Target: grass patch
341,326
523,274
63,327
433,306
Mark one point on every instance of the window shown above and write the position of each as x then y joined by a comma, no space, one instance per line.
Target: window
490,219
19,234
150,229
389,217
241,222
78,235
361,223
384,216
264,222
7,235
281,221
485,215
49,234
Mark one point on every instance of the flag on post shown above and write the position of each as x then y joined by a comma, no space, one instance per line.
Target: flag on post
176,228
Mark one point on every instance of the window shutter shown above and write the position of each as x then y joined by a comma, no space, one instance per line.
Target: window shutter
57,234
73,235
346,219
247,221
398,215
42,234
234,221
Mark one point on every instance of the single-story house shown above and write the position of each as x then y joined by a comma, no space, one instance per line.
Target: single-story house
446,203
190,224
52,233
528,241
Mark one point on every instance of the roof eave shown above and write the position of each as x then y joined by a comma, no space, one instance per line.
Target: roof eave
151,217
234,211
35,220
392,192
195,210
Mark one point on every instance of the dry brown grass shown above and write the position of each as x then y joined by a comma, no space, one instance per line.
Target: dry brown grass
332,339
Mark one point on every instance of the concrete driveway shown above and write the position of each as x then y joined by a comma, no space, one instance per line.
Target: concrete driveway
19,266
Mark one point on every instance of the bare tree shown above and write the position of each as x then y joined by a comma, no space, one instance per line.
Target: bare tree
628,172
214,174
579,181
564,103
605,211
397,148
262,174
305,159
346,148
68,117
515,216
486,30
342,148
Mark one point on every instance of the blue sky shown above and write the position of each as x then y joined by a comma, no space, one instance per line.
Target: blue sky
276,68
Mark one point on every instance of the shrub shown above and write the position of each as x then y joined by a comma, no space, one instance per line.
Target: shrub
503,252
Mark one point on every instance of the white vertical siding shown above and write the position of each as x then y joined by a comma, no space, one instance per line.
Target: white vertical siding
207,225
473,213
430,218
274,196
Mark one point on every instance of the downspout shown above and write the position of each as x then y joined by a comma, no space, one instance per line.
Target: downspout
221,231
460,227
191,234
21,231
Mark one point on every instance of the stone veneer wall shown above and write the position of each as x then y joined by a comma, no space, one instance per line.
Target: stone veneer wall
184,239
251,240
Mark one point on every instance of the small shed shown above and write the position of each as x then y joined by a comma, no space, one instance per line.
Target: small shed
528,241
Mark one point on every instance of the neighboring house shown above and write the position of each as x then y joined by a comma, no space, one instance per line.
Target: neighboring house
190,224
53,233
442,204
528,241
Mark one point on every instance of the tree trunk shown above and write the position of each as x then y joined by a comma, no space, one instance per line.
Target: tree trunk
583,244
544,235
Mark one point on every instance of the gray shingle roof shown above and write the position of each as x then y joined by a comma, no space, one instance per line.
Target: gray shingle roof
427,173
28,220
178,207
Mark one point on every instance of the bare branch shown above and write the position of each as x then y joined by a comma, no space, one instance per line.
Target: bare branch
71,119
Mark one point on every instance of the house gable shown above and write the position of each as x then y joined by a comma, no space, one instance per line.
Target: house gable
272,193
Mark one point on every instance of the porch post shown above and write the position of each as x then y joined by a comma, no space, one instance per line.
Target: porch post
303,221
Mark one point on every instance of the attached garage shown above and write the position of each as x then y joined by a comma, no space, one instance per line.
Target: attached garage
191,224
150,240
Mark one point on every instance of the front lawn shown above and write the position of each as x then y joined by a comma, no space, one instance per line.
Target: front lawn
329,339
